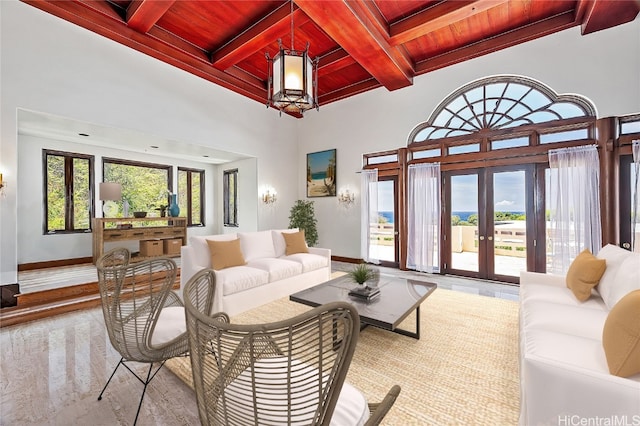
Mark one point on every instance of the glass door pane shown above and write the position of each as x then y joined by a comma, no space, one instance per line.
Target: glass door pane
509,223
464,222
383,235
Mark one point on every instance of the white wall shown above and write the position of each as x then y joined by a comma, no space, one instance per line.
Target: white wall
603,66
52,66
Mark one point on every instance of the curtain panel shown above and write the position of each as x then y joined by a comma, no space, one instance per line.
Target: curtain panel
424,220
368,213
574,205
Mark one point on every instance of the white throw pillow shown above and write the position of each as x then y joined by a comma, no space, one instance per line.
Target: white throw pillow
256,245
627,279
614,256
279,244
201,254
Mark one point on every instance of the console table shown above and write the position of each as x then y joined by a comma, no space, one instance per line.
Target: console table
107,230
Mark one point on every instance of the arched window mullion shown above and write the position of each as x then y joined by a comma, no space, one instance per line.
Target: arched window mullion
511,110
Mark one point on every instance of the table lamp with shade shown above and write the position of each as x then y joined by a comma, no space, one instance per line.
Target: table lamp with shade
110,192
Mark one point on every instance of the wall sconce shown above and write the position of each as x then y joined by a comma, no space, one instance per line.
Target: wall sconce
270,196
346,198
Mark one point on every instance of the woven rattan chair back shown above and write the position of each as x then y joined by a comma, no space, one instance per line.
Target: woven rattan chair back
286,372
133,296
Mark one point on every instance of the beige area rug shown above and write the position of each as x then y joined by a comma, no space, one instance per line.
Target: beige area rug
462,371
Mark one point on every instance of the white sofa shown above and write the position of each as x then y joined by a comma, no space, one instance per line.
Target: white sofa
564,376
268,275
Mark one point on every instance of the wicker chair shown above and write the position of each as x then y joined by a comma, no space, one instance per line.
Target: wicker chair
282,373
145,320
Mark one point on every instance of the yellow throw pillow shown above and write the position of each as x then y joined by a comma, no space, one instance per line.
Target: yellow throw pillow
584,274
295,242
621,336
225,254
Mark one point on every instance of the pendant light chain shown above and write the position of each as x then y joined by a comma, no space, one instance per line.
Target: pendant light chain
292,48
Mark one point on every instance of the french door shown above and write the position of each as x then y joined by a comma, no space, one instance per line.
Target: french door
488,214
384,236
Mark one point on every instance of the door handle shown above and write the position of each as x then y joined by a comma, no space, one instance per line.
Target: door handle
481,237
490,238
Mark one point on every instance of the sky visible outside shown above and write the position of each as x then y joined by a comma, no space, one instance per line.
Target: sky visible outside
509,192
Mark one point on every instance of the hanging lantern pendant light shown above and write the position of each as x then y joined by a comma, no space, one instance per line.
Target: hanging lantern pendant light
293,78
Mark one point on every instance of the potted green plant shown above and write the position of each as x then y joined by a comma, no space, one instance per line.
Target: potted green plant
363,274
302,216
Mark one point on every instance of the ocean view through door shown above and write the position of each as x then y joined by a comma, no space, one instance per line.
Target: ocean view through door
487,222
384,234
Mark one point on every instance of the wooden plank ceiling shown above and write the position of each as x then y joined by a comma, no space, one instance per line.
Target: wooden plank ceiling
361,44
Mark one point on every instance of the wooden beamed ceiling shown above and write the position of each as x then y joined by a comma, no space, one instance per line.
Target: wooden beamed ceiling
361,44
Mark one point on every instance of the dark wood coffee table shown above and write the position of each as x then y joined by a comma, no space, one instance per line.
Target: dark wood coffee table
398,298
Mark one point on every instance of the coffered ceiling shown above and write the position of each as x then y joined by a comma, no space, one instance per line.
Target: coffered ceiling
361,44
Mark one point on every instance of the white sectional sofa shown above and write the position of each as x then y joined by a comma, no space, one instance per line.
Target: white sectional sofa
268,274
564,376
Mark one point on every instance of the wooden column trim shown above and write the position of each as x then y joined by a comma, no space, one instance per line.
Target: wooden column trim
609,213
402,209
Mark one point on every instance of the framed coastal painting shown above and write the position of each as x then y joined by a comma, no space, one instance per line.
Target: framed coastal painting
321,174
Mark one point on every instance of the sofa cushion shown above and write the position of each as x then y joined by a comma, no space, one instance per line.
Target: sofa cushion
240,278
278,269
621,336
309,262
584,274
559,295
201,255
256,245
565,349
295,242
278,240
627,279
573,320
225,254
614,256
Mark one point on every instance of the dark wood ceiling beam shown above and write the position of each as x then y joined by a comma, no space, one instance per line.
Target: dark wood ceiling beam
530,32
355,31
603,14
265,31
142,15
438,16
95,16
334,61
348,91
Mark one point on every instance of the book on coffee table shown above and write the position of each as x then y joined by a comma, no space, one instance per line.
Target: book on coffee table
365,293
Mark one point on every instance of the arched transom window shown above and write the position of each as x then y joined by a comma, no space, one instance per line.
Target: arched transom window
497,103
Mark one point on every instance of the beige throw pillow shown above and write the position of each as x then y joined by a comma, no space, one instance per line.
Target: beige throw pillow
225,254
295,242
584,274
621,336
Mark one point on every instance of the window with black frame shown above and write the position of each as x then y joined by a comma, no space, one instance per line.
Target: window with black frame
230,197
68,183
191,195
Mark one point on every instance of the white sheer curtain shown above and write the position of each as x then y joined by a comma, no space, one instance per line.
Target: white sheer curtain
368,213
423,209
635,199
574,208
